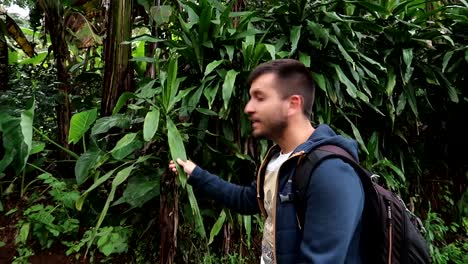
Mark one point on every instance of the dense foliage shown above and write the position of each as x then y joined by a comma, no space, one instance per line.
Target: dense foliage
389,74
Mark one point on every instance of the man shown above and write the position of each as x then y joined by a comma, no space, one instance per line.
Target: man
281,99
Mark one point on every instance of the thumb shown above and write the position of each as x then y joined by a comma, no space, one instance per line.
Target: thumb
181,162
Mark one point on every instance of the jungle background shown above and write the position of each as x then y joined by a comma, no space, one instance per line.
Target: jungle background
97,96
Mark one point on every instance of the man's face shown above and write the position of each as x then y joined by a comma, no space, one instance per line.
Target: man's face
266,108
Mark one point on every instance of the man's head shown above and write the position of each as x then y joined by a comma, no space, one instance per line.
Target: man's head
280,91
293,78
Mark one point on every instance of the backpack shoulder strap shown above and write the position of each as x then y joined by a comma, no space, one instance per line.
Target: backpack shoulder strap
307,165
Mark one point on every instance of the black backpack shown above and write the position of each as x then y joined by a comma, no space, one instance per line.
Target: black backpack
390,232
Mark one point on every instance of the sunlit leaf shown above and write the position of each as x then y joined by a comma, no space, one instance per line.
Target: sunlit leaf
80,123
26,123
150,126
212,65
272,50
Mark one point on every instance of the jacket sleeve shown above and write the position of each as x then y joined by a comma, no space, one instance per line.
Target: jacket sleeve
335,201
241,199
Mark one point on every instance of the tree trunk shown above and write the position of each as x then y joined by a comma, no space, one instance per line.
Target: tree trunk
55,26
3,63
169,218
118,74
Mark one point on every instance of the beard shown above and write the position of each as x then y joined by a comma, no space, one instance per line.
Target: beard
271,129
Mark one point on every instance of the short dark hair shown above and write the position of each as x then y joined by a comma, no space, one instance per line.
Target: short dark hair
294,78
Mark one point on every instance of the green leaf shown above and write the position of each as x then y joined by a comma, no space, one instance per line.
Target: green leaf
172,85
150,126
119,179
177,149
320,80
228,86
125,146
217,226
248,228
357,134
350,87
80,123
294,38
304,58
199,227
206,111
272,50
122,101
85,163
391,81
343,51
408,56
26,124
140,189
230,52
23,233
37,147
97,183
212,65
446,60
147,90
161,14
103,124
122,176
210,92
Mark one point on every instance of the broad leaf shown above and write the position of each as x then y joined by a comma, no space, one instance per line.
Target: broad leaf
86,163
150,126
97,183
125,146
140,189
122,101
26,124
80,123
228,86
212,65
103,124
294,38
177,149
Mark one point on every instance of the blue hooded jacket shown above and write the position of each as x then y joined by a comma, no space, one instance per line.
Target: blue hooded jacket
334,198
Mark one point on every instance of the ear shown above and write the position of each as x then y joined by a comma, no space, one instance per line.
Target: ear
295,104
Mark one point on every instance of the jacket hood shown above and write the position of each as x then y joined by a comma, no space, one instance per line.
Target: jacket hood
324,135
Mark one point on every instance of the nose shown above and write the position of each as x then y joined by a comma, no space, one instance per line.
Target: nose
249,109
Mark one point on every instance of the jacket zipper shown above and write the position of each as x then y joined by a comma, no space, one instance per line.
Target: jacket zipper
276,201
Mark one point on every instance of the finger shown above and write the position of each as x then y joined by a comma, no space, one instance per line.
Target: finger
181,162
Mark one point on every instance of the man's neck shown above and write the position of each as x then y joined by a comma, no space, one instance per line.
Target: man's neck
294,135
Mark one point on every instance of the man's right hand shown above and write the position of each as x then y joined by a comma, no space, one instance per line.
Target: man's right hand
187,165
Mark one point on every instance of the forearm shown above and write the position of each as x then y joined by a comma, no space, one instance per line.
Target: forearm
241,199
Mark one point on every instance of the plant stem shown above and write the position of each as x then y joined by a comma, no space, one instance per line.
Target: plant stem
71,153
